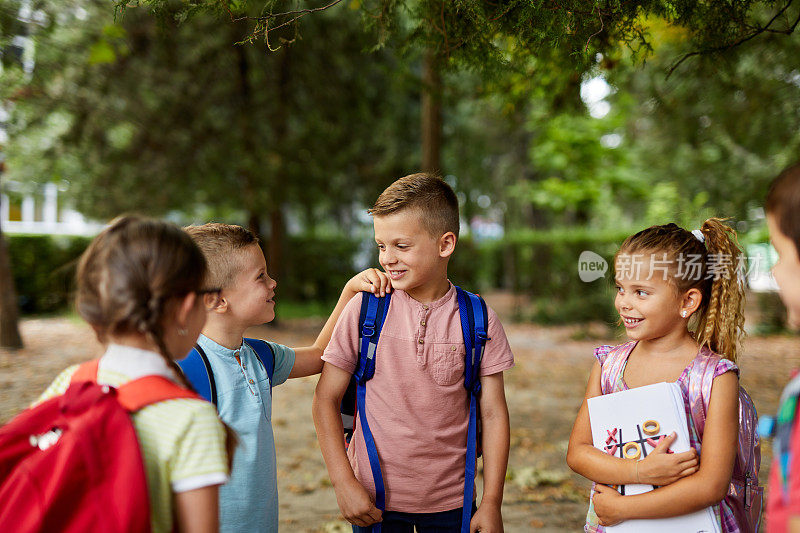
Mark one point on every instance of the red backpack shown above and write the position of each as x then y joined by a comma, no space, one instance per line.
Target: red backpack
73,462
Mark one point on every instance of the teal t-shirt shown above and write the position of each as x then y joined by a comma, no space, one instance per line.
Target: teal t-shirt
249,501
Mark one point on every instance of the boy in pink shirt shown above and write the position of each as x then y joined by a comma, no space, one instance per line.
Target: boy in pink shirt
417,406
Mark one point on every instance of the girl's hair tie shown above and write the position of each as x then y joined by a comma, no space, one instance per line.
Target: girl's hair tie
699,235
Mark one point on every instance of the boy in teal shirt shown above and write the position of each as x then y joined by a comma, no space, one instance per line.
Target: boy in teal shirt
237,268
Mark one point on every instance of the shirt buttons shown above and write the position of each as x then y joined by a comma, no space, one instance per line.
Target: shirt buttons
421,322
425,307
421,341
452,348
251,382
236,353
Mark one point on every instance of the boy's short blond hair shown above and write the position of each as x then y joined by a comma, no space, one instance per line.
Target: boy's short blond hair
427,193
221,244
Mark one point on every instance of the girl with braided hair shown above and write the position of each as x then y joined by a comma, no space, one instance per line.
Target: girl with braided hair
140,287
680,297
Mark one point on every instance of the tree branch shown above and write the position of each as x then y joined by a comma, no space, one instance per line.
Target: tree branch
263,21
758,31
602,25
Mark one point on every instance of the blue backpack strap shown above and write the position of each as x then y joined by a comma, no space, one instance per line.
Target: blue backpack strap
348,407
474,324
373,314
197,369
265,355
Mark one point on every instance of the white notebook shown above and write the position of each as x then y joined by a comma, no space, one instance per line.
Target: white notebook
630,423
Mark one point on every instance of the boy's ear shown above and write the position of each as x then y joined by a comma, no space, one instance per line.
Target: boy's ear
447,244
222,306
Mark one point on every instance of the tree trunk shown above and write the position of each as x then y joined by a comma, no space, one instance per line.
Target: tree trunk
254,223
431,113
9,316
275,259
276,256
246,131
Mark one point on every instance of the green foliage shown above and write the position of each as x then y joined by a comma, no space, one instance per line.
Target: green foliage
44,270
488,36
153,117
545,268
168,116
771,314
317,269
718,130
540,265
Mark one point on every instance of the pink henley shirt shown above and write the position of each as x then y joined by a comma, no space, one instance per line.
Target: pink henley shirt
417,406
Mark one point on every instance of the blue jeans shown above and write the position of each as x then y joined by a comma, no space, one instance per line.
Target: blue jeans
396,522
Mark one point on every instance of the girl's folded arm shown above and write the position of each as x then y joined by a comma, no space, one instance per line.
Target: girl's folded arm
659,468
708,486
583,457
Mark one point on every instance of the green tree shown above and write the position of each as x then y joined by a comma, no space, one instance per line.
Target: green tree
720,126
156,117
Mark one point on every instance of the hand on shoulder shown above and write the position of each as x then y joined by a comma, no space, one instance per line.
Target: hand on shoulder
370,280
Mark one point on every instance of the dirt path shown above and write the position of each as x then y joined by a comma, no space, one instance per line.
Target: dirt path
544,390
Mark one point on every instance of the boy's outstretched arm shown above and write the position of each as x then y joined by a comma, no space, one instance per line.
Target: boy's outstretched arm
496,437
308,358
354,501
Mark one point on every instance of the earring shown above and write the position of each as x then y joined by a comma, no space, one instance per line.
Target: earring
183,332
683,314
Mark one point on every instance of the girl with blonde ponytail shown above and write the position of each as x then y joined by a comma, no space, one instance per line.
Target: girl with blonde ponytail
680,296
140,287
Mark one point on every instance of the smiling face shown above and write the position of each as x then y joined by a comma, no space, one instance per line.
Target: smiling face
415,261
786,271
648,301
250,299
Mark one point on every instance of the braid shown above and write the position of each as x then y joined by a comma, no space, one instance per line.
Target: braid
721,323
153,329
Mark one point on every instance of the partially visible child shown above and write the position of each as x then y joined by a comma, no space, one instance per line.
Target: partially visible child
417,406
140,286
783,219
680,299
246,297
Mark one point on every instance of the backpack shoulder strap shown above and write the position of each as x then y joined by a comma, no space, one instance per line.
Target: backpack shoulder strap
148,390
612,362
197,369
474,325
697,380
137,393
370,323
86,371
265,354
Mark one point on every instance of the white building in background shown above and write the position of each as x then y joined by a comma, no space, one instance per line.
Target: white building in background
43,214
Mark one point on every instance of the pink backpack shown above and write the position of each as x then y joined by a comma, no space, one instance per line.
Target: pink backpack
73,463
745,495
